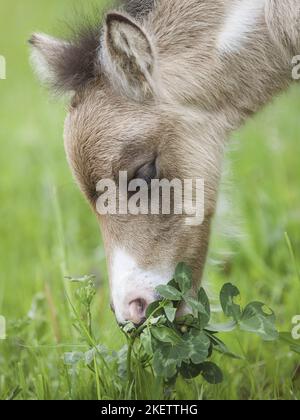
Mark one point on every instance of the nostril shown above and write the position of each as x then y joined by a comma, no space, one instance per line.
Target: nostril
141,305
138,306
137,310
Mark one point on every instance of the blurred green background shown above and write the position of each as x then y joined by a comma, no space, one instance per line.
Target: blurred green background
47,230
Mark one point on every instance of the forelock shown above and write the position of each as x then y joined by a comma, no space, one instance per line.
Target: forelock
78,63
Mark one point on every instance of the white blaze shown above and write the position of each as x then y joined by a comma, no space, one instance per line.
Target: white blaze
129,282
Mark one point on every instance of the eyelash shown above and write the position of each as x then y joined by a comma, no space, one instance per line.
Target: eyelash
148,172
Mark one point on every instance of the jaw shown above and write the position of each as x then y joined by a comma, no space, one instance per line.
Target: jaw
139,262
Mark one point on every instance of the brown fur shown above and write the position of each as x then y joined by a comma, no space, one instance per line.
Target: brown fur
173,96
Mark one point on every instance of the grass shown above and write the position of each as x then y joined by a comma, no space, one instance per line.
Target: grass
47,232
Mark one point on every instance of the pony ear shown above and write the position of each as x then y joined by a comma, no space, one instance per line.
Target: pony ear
127,57
64,66
47,55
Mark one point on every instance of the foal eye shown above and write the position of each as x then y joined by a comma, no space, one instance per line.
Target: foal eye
147,172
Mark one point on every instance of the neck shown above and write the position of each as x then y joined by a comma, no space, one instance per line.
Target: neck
226,59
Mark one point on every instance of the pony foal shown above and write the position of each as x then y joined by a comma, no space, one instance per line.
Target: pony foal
157,87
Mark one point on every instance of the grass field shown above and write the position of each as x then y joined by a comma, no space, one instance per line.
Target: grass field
47,232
